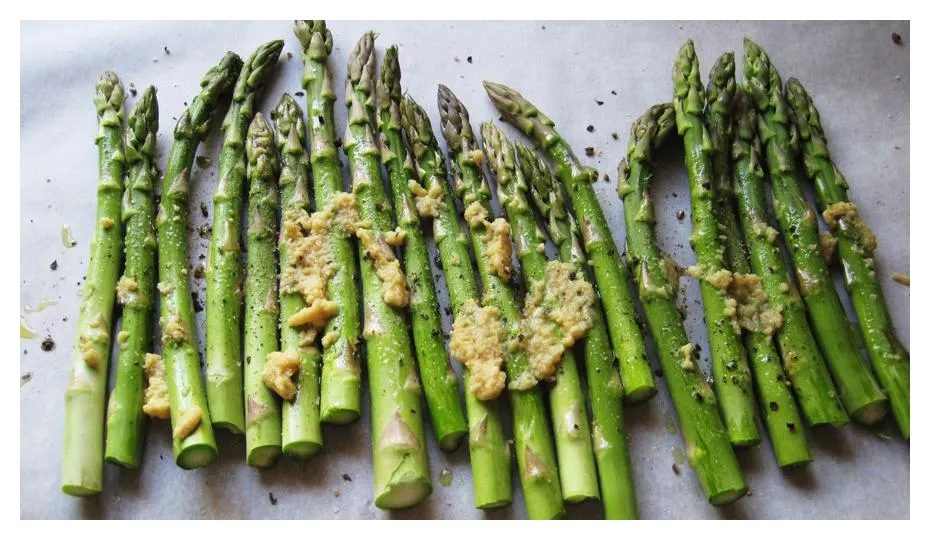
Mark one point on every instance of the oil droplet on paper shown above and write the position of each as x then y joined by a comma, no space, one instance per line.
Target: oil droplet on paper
445,477
66,238
678,456
40,306
25,332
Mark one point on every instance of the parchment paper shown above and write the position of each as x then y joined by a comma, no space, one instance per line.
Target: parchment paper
859,77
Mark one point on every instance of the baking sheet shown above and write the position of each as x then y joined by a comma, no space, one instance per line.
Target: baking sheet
859,77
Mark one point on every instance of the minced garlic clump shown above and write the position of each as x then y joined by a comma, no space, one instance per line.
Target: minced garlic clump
477,342
719,279
849,214
753,311
686,351
827,245
475,214
500,249
309,261
96,335
173,329
127,290
155,401
393,282
429,203
187,423
279,368
557,313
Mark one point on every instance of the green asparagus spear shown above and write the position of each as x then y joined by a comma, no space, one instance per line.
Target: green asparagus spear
729,366
194,445
859,391
577,471
340,392
224,282
706,443
439,381
263,409
488,449
610,272
800,356
779,409
401,464
301,435
532,434
605,390
82,460
856,243
136,289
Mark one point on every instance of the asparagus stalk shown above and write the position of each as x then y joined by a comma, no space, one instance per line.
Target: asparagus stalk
194,444
730,369
859,391
802,360
301,435
856,242
340,392
263,409
136,289
605,390
782,420
532,434
224,282
577,471
83,454
488,449
401,463
439,381
706,443
610,272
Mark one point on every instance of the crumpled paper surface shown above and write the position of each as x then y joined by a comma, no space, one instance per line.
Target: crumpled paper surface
593,79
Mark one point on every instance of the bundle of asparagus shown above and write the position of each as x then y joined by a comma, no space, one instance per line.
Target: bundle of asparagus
302,325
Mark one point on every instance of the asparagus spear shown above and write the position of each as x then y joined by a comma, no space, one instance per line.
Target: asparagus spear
859,391
340,392
605,390
707,446
439,381
782,420
488,449
610,272
263,409
194,445
136,289
301,435
856,242
730,369
401,464
224,282
577,471
802,360
532,435
82,461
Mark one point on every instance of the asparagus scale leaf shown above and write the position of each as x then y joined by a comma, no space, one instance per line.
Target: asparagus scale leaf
83,447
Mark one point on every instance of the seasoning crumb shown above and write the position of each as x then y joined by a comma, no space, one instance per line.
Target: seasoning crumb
289,55
166,50
599,102
543,27
271,498
896,147
205,230
204,162
896,38
299,93
615,136
468,60
749,493
897,77
790,425
203,209
336,493
606,177
456,59
614,92
675,468
25,378
132,89
590,129
54,265
199,271
680,215
773,405
346,477
48,344
198,305
589,151
903,279
659,372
